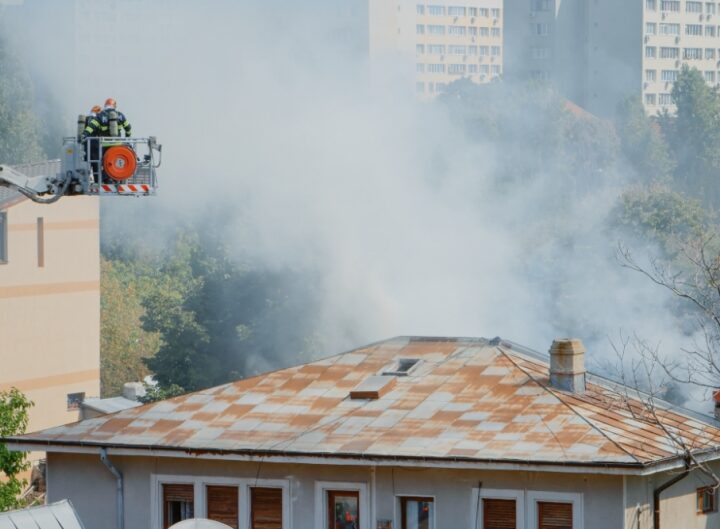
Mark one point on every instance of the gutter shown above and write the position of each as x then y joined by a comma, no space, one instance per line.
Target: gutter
661,489
120,495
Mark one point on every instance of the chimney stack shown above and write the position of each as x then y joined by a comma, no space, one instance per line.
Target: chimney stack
567,365
716,400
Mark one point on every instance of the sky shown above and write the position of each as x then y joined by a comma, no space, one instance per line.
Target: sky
271,117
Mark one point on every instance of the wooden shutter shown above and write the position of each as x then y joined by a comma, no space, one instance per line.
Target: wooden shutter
175,496
555,515
266,508
498,514
176,492
222,505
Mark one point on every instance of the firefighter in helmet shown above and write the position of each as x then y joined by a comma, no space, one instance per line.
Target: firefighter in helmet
107,123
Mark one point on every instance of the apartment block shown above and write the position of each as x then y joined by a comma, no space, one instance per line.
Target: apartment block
50,302
599,52
439,42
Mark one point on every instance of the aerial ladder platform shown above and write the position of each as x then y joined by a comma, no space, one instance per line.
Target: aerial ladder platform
97,165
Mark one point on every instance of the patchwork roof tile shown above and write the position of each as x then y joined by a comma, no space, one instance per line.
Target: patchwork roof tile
466,399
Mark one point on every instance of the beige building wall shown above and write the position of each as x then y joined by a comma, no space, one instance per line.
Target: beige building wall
438,42
50,306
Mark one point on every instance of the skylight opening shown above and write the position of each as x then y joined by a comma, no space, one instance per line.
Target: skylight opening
403,367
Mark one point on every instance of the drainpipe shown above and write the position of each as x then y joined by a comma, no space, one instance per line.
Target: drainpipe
660,490
120,497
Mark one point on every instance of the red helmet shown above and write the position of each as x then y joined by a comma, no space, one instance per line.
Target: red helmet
95,109
110,103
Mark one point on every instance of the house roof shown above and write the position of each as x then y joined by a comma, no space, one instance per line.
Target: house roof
10,197
472,400
110,405
59,515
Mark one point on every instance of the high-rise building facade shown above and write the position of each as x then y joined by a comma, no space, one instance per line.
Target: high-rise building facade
600,52
439,41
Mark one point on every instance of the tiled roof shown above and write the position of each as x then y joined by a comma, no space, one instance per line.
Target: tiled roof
467,399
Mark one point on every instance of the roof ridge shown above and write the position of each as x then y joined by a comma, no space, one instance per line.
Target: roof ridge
568,406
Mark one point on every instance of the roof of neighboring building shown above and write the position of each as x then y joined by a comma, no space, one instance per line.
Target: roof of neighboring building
59,515
110,405
10,197
465,400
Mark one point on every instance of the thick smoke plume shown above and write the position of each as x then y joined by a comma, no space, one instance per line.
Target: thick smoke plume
273,120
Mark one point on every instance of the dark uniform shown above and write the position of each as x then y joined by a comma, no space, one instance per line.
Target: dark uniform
99,126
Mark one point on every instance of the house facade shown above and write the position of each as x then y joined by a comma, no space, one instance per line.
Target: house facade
412,433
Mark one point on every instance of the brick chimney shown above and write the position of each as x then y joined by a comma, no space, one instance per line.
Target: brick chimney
567,365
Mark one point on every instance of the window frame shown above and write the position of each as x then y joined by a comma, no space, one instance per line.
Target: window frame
200,482
400,514
535,496
321,504
477,515
699,510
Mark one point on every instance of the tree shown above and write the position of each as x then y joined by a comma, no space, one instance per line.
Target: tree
14,408
643,144
19,138
695,130
124,343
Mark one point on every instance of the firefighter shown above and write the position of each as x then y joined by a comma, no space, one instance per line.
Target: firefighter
94,111
106,123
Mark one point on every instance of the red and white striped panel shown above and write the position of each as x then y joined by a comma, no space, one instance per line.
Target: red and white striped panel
124,189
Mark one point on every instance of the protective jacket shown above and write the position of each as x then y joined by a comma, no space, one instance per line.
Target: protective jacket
100,124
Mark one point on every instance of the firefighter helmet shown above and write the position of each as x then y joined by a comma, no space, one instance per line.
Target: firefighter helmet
95,109
110,103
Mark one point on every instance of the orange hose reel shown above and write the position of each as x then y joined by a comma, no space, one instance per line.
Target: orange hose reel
119,162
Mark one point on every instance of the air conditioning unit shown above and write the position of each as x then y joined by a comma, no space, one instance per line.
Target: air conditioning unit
677,40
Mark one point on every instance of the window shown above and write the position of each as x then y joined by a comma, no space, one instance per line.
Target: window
665,99
436,68
440,87
484,32
692,53
693,7
495,70
40,242
74,400
436,49
484,69
650,75
706,500
541,5
540,29
456,50
669,75
484,11
495,51
650,52
495,32
484,51
472,11
472,30
710,8
178,503
420,29
710,77
420,9
650,28
420,67
3,238
540,53
472,50
266,508
417,513
343,509
456,11
651,5
553,515
495,12
456,30
436,10
669,29
650,99
456,69
694,30
499,514
473,68
435,29
710,31
709,53
669,53
419,48
222,505
670,5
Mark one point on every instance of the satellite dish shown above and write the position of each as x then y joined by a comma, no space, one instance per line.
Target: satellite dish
199,523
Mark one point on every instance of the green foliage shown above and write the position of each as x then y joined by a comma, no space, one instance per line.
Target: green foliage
19,138
124,343
14,408
695,130
154,393
642,141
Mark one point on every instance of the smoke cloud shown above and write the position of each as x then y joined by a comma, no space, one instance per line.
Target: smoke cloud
272,119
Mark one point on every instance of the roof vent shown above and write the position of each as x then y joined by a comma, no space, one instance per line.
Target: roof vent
567,365
402,367
373,387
